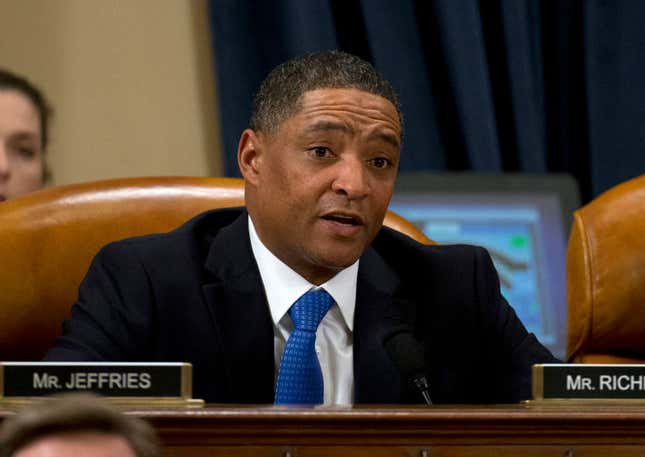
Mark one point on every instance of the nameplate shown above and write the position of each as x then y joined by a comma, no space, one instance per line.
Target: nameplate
588,382
119,380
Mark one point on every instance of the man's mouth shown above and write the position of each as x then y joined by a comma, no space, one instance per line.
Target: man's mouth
2,198
345,219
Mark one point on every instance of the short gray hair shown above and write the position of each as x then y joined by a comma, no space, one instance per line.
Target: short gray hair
280,94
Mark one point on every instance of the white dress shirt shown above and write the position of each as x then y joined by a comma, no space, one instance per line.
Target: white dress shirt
334,337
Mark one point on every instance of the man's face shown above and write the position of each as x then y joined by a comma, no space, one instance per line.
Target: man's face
21,161
319,187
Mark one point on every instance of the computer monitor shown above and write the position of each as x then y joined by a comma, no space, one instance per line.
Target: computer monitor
522,220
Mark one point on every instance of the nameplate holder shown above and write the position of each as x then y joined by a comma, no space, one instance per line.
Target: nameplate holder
589,382
153,384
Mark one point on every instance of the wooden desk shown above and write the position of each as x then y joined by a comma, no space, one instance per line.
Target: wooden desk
437,431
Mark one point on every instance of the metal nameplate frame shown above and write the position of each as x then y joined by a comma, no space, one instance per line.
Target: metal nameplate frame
153,384
589,383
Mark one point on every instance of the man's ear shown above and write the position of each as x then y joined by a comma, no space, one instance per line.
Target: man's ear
249,155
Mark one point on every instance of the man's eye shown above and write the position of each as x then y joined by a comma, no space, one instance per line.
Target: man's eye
381,162
320,151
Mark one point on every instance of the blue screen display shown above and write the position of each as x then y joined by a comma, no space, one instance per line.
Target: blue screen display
525,237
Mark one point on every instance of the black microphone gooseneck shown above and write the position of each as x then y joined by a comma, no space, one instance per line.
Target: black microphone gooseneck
407,355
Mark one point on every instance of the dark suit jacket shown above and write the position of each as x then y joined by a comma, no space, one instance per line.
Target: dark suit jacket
195,295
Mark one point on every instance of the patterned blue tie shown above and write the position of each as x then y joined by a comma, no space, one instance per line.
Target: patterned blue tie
300,380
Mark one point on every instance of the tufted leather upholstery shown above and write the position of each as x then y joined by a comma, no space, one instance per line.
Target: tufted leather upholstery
48,239
606,278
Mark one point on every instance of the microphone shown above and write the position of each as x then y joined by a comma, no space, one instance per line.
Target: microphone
407,355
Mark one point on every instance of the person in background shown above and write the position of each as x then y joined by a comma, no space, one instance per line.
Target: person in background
24,118
76,425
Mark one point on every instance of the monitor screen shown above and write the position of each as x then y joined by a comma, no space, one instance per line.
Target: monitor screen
523,224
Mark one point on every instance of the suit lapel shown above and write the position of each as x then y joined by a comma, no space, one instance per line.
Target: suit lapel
238,306
241,316
376,380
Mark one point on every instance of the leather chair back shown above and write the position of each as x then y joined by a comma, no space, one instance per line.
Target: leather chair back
49,238
606,278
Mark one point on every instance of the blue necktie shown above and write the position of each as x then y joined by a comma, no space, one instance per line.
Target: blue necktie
299,377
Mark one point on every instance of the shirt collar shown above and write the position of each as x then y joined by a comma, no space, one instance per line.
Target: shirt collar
283,286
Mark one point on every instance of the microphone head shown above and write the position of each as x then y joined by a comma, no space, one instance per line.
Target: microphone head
406,353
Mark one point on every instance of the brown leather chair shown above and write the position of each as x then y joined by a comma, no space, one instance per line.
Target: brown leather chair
606,278
48,239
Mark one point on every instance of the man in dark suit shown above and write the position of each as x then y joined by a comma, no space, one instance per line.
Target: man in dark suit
319,160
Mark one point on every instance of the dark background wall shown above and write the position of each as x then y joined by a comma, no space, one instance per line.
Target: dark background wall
529,86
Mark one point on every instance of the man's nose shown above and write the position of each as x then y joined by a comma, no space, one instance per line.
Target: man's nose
351,179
